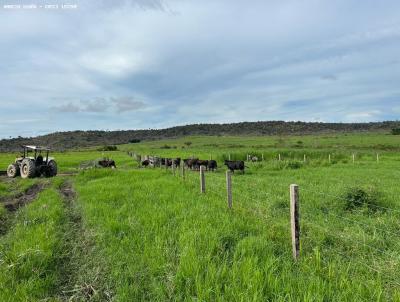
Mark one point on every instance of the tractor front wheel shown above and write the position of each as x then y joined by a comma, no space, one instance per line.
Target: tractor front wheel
28,169
12,171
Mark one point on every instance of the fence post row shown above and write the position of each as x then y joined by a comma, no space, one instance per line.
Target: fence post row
229,188
294,220
202,180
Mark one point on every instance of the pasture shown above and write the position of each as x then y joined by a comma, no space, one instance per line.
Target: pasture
145,234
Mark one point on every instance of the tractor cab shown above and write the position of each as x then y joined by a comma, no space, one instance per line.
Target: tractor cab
35,153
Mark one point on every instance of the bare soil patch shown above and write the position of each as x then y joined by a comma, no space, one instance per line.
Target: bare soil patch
15,202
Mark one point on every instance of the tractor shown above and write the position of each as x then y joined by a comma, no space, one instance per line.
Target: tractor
33,162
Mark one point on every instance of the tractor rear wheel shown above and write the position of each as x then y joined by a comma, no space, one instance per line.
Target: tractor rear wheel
28,169
51,169
12,171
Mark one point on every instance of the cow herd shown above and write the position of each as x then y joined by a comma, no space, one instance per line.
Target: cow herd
192,163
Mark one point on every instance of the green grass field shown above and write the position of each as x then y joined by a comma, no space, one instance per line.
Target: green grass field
143,234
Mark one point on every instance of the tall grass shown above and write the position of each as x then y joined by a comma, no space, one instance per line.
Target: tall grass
162,240
29,251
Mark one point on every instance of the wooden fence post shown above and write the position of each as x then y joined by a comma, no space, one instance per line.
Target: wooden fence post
354,158
329,158
294,220
279,157
183,171
166,164
229,156
262,156
304,159
202,180
229,188
377,157
173,166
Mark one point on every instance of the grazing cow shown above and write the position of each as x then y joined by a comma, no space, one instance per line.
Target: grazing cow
107,163
145,163
212,165
190,162
199,163
185,162
154,161
177,162
235,165
168,162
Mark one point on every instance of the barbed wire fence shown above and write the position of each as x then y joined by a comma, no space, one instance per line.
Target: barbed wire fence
236,201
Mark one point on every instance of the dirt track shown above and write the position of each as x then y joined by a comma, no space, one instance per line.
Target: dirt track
67,191
14,202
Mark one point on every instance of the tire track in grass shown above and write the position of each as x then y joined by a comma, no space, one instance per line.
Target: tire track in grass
29,250
21,199
13,203
79,277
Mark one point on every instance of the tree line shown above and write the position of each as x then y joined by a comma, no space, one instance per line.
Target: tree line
80,139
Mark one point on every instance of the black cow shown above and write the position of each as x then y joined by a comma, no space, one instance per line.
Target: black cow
145,163
177,162
190,162
212,165
235,165
199,163
107,163
185,162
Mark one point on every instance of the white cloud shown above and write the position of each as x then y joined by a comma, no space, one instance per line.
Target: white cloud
101,105
190,61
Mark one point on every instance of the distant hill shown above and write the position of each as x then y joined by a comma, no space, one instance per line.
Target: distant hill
79,139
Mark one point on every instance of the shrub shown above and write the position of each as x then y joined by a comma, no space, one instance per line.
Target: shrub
134,141
396,131
188,143
294,164
281,165
357,197
298,144
166,147
108,148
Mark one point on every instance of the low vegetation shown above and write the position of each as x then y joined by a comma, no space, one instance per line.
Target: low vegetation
108,148
396,131
357,197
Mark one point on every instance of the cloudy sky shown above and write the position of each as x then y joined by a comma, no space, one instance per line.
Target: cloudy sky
153,64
